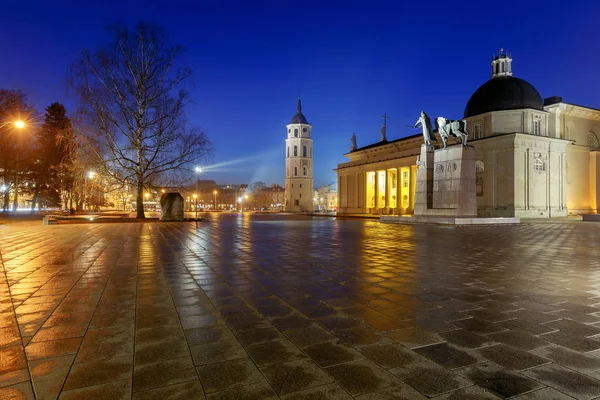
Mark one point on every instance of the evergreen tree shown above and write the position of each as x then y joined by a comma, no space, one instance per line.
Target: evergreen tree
53,164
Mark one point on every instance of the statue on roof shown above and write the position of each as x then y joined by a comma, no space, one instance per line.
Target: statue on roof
353,141
383,129
425,123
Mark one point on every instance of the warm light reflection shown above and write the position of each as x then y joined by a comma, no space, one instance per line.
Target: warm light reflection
371,189
381,183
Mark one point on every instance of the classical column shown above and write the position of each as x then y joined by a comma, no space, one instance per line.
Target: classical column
386,203
376,192
398,192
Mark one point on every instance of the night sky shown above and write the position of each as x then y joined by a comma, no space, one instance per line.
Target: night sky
351,61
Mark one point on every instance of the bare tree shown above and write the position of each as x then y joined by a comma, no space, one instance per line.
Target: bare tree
132,97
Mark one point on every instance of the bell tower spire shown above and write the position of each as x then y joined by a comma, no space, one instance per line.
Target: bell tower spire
299,106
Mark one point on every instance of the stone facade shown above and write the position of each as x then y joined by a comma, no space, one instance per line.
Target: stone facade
531,162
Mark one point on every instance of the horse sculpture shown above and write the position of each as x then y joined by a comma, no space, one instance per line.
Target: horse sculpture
447,128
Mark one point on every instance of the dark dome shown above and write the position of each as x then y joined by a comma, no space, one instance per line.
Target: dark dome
503,93
299,118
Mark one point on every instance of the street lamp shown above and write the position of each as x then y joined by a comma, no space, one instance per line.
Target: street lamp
89,175
245,197
196,205
19,124
215,193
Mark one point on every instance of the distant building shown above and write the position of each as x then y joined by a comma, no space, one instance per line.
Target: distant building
298,164
326,198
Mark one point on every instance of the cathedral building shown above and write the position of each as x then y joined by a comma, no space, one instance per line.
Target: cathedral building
534,158
298,164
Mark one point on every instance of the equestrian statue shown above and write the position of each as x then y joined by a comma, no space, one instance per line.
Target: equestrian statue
456,128
444,127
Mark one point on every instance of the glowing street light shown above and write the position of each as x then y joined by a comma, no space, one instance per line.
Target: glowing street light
215,193
19,124
196,204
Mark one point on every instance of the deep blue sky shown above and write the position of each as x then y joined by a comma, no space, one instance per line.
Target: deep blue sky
351,61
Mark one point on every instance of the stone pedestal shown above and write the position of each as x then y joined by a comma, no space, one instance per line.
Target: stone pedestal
171,207
446,182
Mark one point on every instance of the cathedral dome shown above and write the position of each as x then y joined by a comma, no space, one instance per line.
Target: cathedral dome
503,93
299,118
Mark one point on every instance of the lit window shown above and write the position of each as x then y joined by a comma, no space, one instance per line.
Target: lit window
295,151
536,127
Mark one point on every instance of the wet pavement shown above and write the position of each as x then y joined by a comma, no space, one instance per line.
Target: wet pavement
268,307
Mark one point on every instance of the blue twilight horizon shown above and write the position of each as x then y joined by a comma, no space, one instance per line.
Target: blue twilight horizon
350,61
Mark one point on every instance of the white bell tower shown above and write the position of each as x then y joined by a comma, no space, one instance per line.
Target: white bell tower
299,164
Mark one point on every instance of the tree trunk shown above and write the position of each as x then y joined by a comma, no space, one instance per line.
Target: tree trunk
139,205
33,200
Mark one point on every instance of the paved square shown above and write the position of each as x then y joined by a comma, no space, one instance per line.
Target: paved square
268,307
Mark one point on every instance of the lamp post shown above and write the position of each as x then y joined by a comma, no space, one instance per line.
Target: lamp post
196,205
19,124
246,198
89,175
216,207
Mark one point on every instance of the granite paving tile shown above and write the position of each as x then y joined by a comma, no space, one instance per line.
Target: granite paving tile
216,352
499,381
546,393
389,355
566,381
467,339
163,373
119,390
309,335
429,378
447,355
328,354
521,340
294,376
571,359
19,391
225,375
469,393
512,358
182,391
572,341
256,391
362,376
159,351
413,337
325,392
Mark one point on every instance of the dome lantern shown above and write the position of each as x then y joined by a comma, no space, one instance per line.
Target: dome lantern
502,64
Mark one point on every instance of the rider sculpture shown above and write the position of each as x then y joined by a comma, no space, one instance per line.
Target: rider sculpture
456,128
